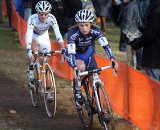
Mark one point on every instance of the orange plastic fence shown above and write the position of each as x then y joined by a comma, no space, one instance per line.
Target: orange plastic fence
132,94
4,9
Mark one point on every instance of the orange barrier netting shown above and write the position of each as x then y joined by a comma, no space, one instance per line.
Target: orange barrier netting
132,94
4,9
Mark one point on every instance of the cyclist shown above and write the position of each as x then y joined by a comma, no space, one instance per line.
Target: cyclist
80,47
37,37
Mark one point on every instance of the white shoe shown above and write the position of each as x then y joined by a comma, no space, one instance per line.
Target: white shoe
49,96
30,75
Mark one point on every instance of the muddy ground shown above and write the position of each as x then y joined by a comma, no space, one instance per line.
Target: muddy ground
16,110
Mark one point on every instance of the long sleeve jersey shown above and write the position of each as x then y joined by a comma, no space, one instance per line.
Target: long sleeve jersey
77,42
37,27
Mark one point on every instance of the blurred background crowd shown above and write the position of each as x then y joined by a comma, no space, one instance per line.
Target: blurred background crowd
138,20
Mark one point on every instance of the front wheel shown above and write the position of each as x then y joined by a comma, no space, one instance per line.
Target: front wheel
85,111
49,82
105,114
34,88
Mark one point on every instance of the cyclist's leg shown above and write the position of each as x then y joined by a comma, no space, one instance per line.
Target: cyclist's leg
45,45
90,65
78,92
85,61
34,47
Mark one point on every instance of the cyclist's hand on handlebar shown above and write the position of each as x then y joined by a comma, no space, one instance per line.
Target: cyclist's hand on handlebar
63,50
76,72
114,64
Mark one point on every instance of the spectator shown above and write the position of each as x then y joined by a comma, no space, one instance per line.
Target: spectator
150,41
34,2
132,20
27,5
19,7
9,12
117,11
57,11
1,18
71,7
102,8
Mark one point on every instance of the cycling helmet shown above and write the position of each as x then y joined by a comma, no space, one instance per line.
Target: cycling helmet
84,16
43,7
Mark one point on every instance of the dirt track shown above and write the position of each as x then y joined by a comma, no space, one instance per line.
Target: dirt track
16,110
16,99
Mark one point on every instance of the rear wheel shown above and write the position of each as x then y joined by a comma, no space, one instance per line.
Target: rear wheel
85,112
105,114
49,105
34,88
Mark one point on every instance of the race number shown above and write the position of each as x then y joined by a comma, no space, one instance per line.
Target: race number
72,48
103,41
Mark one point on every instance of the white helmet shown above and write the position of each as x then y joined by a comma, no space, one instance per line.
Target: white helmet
84,16
43,7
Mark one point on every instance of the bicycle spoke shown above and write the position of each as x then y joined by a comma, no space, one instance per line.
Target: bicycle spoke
33,89
50,105
85,112
105,114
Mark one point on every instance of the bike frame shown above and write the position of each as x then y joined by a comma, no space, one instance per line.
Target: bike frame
93,95
44,74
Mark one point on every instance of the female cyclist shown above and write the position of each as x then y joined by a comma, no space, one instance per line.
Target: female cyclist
80,48
37,37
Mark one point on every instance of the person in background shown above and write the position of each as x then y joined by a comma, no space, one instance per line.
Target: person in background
1,18
9,12
58,12
19,7
79,51
27,5
34,2
70,8
117,10
117,13
102,8
150,41
133,24
37,37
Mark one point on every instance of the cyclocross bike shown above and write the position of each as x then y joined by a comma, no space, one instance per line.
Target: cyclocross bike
95,100
42,73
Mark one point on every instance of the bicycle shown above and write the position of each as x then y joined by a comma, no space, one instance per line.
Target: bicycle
95,100
43,74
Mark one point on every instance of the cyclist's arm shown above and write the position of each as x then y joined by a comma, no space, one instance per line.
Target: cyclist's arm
71,50
70,56
57,33
104,43
29,33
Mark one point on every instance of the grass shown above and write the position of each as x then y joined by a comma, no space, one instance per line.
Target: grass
113,36
13,59
9,37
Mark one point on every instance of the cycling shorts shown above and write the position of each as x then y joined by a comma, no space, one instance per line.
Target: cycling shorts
43,41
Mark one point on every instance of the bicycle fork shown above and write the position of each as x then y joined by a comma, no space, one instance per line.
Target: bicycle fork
100,112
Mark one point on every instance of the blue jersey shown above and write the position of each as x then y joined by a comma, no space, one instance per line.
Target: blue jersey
80,45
